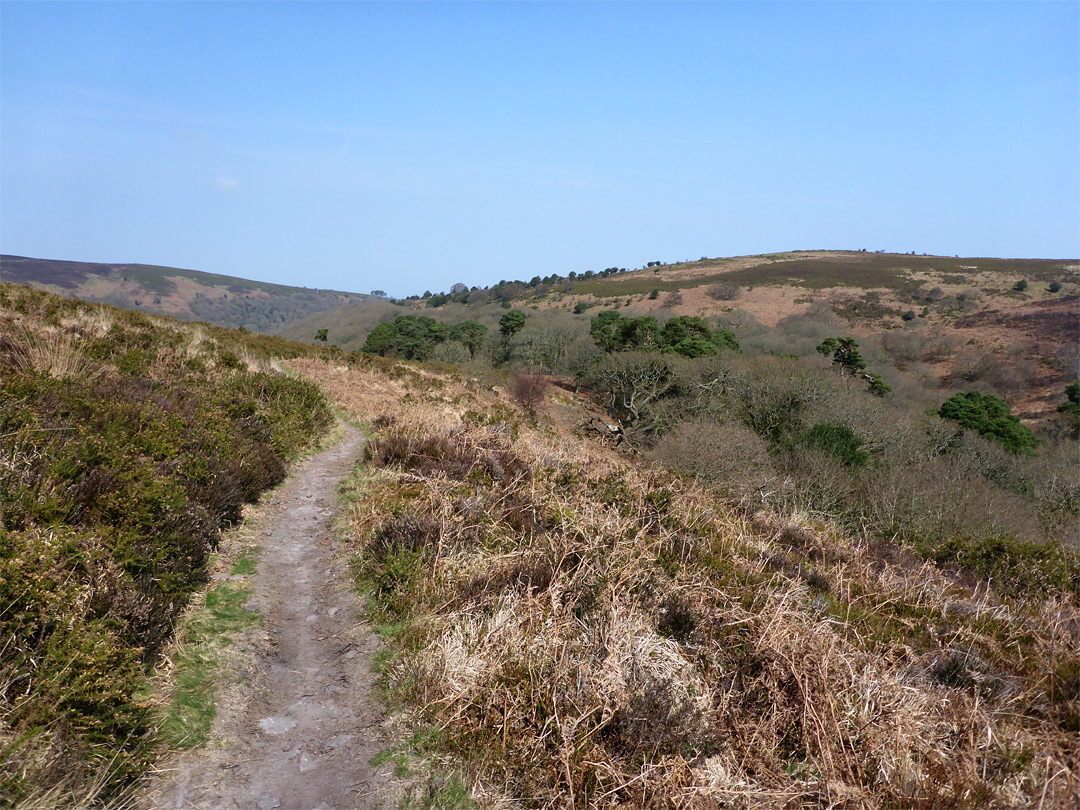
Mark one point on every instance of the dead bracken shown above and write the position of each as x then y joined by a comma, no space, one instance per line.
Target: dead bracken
584,630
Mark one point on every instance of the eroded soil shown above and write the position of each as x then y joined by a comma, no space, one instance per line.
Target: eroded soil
298,729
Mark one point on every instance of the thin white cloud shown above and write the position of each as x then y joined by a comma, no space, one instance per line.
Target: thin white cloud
228,183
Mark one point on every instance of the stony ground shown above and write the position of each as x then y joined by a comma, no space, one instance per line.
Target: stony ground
297,731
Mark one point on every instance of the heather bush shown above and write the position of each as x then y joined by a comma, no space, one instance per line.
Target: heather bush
120,462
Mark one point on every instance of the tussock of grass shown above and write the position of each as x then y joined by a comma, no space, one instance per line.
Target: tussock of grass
588,632
55,353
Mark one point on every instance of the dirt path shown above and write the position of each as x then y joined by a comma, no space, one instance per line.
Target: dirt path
299,728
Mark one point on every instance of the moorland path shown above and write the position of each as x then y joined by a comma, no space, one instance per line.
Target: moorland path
298,729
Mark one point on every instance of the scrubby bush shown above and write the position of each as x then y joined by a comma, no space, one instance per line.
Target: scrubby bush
904,347
450,352
723,291
673,299
928,294
725,454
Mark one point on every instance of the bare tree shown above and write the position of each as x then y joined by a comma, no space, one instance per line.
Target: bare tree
529,390
632,385
725,291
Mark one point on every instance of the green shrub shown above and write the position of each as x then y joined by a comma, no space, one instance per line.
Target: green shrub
991,417
1071,405
877,385
838,441
1014,567
686,335
411,337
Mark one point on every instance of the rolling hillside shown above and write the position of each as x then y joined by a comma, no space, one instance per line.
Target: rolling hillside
771,586
1010,324
190,295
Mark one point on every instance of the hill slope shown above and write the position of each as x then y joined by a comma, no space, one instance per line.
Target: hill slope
586,630
1006,324
185,294
129,443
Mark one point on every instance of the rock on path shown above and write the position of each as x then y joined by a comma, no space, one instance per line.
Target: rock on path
297,733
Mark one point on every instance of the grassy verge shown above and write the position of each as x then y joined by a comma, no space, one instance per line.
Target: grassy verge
200,655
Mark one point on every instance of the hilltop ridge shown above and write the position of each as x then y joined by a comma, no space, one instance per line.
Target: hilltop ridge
189,295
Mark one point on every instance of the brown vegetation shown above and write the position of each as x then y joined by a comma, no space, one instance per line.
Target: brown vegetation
590,632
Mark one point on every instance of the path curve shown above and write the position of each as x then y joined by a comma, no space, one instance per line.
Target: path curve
298,731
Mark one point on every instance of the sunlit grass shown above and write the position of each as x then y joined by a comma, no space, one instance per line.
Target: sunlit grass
188,716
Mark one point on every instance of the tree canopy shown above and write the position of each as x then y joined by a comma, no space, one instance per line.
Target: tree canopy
410,337
511,323
845,353
470,334
685,335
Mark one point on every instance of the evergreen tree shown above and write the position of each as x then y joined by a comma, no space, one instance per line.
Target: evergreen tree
990,417
511,323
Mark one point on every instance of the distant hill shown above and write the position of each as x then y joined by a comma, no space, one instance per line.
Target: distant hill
190,295
872,290
1009,326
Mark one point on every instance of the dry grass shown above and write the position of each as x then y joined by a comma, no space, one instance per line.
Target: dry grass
589,632
55,352
95,321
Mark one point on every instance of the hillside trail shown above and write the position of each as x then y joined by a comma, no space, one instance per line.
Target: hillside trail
297,730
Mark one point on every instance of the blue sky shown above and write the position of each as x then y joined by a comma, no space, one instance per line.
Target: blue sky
408,146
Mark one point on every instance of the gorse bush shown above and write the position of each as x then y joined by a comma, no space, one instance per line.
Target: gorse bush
121,463
838,441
